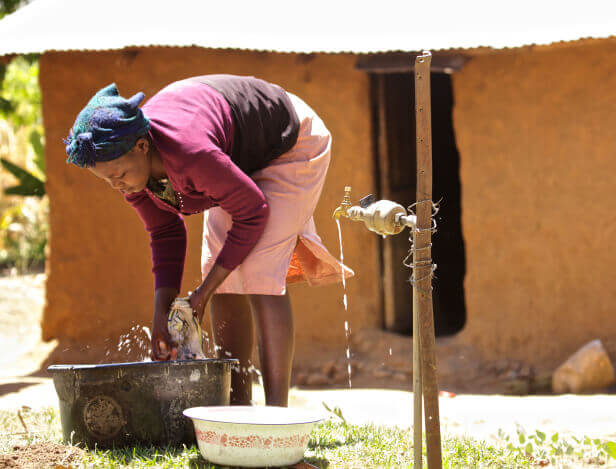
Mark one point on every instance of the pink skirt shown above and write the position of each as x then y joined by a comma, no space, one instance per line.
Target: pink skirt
290,250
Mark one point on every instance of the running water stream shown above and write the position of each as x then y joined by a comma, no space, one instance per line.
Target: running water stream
347,330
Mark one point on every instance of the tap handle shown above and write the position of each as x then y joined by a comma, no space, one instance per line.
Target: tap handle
366,201
346,200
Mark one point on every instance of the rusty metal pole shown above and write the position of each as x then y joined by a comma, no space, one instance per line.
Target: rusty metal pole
422,262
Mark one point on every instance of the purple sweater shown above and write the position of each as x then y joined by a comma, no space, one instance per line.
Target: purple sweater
192,128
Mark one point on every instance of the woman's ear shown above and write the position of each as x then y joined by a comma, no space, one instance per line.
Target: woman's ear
142,145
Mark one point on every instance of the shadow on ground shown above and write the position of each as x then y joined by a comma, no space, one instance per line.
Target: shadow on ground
7,388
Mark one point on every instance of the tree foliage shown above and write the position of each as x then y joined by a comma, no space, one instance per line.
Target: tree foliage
23,221
26,75
21,95
20,105
6,7
29,185
9,6
20,89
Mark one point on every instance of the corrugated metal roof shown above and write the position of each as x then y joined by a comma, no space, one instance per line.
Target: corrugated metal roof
302,25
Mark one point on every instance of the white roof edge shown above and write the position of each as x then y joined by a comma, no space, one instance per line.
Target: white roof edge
67,25
32,48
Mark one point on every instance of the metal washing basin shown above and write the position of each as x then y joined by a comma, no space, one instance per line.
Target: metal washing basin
121,404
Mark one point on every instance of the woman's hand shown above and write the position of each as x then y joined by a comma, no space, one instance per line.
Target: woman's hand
198,301
163,348
203,293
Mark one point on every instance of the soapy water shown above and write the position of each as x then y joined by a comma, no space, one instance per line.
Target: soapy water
250,369
138,338
347,330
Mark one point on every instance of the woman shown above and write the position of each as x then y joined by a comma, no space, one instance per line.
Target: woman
253,158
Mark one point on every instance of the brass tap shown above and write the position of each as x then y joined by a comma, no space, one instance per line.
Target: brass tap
382,216
345,205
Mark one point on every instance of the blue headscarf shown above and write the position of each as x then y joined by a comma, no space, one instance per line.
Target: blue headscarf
107,128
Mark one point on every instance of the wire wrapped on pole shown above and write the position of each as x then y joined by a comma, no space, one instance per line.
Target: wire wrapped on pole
409,260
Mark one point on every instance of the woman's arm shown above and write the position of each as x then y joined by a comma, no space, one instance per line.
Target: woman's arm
163,348
167,240
168,243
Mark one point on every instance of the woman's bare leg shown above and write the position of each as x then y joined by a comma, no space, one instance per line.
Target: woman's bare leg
232,328
276,335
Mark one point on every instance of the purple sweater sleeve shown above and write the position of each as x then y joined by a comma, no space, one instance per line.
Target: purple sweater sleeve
167,240
214,174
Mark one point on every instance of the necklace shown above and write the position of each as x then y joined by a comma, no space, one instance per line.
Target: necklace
162,189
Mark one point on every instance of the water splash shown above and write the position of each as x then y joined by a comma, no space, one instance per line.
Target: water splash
138,338
347,330
254,370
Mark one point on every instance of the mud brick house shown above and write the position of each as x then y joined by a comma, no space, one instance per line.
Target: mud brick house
523,145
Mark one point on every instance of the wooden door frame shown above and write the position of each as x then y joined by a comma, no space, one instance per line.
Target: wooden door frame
378,65
382,164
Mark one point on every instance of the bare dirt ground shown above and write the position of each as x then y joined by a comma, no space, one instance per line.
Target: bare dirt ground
380,381
23,352
41,455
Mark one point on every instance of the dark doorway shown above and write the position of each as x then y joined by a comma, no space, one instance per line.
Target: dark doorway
394,128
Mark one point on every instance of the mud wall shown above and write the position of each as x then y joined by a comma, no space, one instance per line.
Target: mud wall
535,131
100,284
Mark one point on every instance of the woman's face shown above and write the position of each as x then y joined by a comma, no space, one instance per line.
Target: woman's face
130,172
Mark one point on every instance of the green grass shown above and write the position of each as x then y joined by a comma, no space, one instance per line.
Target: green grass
337,444
43,425
353,446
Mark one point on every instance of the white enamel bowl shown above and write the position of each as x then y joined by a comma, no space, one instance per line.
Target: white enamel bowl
253,436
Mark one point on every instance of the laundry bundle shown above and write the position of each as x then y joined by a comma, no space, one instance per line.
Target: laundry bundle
185,330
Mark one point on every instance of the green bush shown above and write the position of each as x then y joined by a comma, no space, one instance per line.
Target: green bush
23,207
24,229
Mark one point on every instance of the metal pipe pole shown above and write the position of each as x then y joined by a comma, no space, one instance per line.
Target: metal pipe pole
422,260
